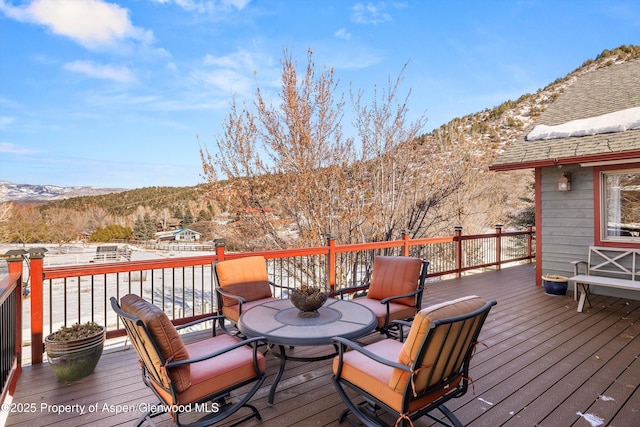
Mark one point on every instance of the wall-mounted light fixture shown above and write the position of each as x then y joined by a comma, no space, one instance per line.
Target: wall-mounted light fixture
564,183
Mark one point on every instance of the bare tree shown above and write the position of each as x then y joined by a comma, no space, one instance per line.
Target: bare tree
398,170
61,225
27,225
288,157
291,176
97,217
6,213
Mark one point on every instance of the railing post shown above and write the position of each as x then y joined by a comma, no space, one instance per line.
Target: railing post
36,278
458,241
498,246
529,243
331,262
405,239
219,244
15,258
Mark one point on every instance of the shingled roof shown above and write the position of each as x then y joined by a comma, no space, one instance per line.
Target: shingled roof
606,90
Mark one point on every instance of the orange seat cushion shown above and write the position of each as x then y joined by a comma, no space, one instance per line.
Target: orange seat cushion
164,335
396,311
221,372
395,275
246,277
441,349
232,312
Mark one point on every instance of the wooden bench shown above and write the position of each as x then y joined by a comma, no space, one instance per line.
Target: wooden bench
608,267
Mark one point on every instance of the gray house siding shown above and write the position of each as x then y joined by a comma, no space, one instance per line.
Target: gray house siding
567,224
565,220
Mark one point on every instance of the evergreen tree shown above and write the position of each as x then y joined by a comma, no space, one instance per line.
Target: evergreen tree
138,229
149,227
144,228
187,219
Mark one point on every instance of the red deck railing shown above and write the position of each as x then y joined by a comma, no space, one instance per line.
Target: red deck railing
184,287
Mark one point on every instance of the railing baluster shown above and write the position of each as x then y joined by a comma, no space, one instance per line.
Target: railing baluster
332,265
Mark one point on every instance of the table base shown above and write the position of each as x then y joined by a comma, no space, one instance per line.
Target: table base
282,355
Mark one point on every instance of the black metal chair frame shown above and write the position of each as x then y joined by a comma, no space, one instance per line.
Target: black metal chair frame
151,375
391,329
368,412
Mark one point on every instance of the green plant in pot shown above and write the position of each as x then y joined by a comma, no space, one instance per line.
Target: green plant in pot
73,352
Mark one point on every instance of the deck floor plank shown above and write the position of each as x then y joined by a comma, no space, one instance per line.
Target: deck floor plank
540,363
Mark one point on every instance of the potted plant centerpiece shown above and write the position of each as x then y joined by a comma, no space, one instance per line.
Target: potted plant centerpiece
555,284
73,352
308,299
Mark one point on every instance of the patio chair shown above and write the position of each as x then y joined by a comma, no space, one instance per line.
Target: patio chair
394,291
242,283
194,379
406,381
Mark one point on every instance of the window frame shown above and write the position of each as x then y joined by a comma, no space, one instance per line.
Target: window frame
600,216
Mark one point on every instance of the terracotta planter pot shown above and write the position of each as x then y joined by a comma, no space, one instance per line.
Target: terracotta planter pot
555,285
74,359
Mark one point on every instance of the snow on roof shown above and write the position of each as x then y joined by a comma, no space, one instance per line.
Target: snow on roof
618,121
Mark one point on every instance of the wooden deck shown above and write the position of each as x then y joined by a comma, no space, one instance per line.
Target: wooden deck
541,364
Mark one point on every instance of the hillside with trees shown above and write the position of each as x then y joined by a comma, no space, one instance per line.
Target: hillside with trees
283,174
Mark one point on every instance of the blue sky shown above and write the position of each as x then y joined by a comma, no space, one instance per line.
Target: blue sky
118,93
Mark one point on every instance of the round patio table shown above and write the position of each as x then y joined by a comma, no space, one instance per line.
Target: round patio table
279,323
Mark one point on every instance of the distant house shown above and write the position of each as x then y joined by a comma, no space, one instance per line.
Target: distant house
169,225
186,235
585,149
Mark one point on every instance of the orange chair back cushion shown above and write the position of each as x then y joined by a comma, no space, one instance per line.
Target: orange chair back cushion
246,277
164,335
395,275
435,365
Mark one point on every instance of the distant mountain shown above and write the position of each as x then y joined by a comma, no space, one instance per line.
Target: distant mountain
127,202
28,193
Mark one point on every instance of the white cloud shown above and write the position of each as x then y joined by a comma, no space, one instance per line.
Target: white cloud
240,60
342,33
210,6
106,72
93,24
7,147
369,14
235,73
5,121
226,81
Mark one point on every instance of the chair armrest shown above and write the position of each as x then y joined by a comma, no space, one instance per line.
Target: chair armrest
195,322
410,294
351,290
253,341
576,267
345,343
230,295
402,322
278,286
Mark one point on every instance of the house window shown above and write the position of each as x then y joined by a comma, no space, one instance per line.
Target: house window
620,206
